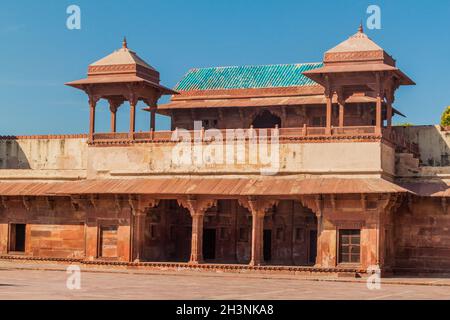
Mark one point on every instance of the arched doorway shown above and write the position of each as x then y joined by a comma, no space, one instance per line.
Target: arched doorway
266,119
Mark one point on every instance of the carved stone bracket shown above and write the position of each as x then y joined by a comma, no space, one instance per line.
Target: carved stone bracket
3,202
26,201
93,201
315,203
132,97
50,202
80,203
114,104
139,204
197,206
257,205
117,203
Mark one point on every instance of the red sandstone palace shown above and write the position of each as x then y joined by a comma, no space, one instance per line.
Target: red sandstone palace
351,191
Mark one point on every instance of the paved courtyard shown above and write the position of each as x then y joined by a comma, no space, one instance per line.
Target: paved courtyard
45,283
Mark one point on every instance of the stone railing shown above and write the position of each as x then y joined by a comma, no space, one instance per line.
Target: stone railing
300,133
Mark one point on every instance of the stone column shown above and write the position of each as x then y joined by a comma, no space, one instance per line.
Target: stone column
378,110
113,120
329,104
139,217
258,209
389,101
257,238
341,113
329,114
197,209
389,115
378,113
132,120
92,104
152,119
114,104
197,238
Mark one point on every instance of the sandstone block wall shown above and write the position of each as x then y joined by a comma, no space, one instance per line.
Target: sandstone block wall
422,236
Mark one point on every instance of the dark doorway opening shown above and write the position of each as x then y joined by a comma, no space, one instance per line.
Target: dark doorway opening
267,245
312,246
266,119
209,244
17,238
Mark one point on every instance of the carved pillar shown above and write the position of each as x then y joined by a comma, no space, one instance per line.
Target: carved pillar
133,101
258,209
113,106
329,105
197,238
341,101
139,217
389,112
257,238
152,119
197,209
113,120
92,104
378,111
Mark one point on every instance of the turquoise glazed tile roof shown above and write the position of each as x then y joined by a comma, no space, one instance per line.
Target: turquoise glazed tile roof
247,77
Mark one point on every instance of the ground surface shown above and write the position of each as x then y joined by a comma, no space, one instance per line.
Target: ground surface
39,281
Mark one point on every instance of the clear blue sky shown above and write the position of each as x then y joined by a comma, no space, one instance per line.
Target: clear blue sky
39,54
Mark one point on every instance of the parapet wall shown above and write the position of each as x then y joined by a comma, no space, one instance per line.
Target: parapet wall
313,158
43,157
71,158
434,143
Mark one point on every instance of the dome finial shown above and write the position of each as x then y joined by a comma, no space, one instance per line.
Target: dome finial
124,43
361,29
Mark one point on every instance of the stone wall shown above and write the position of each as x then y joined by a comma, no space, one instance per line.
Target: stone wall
47,158
434,144
52,228
422,236
334,158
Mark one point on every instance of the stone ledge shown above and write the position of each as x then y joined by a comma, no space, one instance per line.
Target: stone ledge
179,266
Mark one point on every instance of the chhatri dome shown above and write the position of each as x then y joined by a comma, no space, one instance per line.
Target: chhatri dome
123,65
119,77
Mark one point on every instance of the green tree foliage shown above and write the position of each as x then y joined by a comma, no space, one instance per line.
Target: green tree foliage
445,119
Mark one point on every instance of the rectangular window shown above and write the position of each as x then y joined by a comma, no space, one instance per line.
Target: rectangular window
349,246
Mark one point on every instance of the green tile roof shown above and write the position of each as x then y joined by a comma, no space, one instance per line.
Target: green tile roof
246,77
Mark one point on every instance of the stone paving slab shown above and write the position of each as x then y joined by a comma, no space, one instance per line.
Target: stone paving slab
52,266
51,284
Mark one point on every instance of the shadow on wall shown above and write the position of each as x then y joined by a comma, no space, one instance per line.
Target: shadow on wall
12,156
434,143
